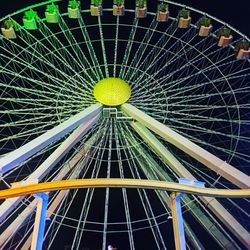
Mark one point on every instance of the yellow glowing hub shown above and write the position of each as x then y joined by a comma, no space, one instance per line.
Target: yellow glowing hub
112,91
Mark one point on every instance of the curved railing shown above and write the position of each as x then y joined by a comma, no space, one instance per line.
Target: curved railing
121,183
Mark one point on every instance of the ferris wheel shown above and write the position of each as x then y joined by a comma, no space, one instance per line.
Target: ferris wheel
123,93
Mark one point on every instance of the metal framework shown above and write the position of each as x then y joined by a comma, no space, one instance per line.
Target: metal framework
188,116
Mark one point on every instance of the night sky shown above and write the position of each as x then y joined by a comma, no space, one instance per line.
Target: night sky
235,13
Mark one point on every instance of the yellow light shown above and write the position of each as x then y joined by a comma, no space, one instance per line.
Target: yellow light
112,91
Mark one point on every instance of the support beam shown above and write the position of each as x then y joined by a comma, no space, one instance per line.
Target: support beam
64,148
221,167
39,225
212,203
7,206
9,161
161,150
23,216
14,226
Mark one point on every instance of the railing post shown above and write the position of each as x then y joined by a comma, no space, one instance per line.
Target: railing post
39,225
175,201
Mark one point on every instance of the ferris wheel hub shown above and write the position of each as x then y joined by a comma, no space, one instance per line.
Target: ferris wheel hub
112,91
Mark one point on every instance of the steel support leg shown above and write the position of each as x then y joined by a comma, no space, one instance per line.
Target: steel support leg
39,225
179,235
175,201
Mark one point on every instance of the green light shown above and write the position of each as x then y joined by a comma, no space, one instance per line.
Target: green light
112,91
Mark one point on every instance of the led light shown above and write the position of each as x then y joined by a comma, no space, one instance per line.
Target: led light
112,91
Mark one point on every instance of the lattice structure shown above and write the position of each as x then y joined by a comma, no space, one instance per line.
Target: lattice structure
187,116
